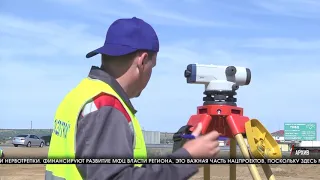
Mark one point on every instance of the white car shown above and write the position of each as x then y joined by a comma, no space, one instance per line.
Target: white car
27,140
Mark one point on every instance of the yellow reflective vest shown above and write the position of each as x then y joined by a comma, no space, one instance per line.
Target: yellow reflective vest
63,144
1,153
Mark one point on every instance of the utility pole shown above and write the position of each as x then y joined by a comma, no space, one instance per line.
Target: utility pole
31,128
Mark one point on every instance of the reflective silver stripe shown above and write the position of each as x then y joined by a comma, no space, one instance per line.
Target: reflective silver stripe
50,176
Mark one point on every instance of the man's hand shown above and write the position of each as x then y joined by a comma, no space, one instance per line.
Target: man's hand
206,146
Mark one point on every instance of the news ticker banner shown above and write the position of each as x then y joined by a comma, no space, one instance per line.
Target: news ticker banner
160,161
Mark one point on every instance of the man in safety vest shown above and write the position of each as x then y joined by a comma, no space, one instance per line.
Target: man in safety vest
97,120
1,154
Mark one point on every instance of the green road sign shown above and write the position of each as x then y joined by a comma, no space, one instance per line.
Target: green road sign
300,131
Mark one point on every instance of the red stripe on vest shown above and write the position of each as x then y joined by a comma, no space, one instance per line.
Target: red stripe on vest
109,100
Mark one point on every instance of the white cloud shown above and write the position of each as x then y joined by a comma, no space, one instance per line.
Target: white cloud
32,91
283,43
40,62
294,8
30,37
159,13
154,10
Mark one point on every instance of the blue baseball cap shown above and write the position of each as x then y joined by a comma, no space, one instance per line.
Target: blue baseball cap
125,36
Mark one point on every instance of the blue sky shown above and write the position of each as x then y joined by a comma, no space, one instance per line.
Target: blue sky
44,43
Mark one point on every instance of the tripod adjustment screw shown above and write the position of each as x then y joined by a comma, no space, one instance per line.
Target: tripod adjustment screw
231,71
235,87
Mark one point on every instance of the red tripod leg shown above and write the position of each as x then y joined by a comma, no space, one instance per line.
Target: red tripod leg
205,119
236,123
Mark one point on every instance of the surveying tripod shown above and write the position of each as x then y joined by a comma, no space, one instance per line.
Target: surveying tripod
220,113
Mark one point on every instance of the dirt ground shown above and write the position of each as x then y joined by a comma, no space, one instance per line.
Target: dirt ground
218,172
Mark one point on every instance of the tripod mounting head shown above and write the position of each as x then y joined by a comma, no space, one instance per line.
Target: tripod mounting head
221,82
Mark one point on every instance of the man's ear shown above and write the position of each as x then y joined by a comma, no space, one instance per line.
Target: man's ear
142,59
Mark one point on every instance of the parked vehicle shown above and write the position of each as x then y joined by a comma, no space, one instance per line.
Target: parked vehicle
27,140
46,139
